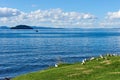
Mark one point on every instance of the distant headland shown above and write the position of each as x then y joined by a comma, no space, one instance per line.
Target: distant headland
21,27
27,27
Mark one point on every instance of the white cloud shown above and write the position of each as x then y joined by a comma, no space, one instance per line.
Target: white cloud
113,15
51,17
57,18
9,12
112,19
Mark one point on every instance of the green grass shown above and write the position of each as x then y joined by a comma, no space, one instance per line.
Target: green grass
97,69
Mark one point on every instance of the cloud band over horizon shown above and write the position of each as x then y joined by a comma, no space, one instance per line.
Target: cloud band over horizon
56,18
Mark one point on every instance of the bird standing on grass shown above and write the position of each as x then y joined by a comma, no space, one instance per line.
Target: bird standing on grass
56,65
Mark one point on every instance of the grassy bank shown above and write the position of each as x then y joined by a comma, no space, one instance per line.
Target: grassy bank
101,68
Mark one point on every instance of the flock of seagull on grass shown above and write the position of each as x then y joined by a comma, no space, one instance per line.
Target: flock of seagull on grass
101,56
93,58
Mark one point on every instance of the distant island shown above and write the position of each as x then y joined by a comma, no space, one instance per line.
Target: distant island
27,27
32,27
21,27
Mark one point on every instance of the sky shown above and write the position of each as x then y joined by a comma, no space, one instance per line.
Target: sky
61,13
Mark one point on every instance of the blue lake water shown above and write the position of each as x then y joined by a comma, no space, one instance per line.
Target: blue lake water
24,51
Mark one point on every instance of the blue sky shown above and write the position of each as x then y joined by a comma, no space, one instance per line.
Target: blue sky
102,13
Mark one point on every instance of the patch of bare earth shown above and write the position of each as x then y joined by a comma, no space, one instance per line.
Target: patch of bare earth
98,67
114,73
79,68
74,74
87,71
106,62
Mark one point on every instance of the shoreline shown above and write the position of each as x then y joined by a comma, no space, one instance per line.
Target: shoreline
83,63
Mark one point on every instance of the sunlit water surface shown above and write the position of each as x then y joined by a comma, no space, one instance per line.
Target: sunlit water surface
24,51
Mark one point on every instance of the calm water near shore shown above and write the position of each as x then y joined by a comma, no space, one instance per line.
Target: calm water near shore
24,51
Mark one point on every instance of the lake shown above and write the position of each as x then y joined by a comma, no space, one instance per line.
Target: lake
24,51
